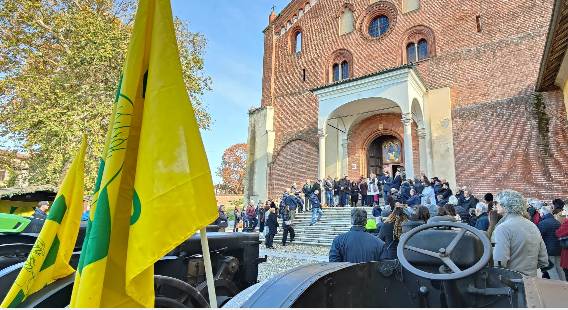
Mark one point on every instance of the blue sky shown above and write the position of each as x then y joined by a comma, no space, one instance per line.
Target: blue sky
233,59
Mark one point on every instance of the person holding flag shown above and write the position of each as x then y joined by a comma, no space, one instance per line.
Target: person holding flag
50,255
155,188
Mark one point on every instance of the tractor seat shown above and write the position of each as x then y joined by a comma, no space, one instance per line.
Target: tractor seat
467,252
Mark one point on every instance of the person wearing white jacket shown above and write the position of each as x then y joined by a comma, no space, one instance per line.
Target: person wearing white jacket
428,196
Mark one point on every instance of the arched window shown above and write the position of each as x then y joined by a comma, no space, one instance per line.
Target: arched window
344,70
336,72
422,49
298,42
411,53
346,22
378,26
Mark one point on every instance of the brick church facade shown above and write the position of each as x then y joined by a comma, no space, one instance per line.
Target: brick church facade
443,87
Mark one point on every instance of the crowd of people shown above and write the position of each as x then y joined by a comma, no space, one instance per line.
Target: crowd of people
266,215
529,236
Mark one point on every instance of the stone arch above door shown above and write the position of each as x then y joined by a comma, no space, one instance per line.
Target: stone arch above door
362,134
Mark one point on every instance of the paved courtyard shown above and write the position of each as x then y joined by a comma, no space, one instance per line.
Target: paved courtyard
283,258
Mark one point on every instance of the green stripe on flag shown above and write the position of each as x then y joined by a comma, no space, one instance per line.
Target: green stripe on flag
84,247
119,89
58,209
51,255
99,176
18,300
136,208
99,234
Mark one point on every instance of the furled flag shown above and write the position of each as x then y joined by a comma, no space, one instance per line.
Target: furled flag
156,188
50,255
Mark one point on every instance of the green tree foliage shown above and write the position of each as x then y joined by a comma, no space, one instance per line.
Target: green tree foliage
59,66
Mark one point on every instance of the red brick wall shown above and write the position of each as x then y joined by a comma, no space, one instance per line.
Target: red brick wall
363,133
500,147
483,69
295,162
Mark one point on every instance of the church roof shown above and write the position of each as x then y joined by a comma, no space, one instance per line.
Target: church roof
380,72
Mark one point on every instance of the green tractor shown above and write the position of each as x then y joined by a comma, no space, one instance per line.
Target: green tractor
12,223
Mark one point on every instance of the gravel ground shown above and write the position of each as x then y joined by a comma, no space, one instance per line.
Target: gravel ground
283,258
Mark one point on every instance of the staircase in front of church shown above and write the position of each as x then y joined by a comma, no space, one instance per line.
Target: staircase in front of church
334,221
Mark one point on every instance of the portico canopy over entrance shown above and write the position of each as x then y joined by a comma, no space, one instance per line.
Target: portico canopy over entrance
343,105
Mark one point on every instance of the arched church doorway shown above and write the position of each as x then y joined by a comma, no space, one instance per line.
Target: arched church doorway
385,152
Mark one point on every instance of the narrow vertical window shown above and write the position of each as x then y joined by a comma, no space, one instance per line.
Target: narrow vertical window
335,72
346,22
344,70
298,42
410,53
304,75
478,22
422,49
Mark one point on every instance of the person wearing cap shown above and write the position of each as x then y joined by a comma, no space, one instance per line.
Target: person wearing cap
518,243
356,245
548,226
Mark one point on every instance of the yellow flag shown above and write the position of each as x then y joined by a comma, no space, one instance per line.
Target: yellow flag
50,255
156,188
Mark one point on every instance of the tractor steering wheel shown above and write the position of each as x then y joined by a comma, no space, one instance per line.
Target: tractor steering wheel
444,253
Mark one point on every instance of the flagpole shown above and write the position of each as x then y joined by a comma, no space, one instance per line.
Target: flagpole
208,269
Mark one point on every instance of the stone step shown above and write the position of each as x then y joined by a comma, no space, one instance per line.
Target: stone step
333,222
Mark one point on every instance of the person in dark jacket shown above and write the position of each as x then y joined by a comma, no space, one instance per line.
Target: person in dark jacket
363,187
397,180
405,191
38,218
316,186
468,201
386,181
316,208
437,185
547,227
272,224
418,185
377,212
391,230
307,190
414,199
444,194
482,222
336,197
262,215
328,187
354,193
222,220
287,224
343,191
356,245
